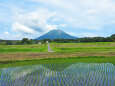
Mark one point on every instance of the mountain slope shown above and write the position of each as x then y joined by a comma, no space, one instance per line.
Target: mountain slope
56,34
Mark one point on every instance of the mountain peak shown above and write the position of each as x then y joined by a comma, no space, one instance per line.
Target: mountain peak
57,30
56,34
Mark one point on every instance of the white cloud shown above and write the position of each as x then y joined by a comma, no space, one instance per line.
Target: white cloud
55,19
88,35
34,22
91,12
22,28
72,33
75,15
62,25
14,36
86,14
6,33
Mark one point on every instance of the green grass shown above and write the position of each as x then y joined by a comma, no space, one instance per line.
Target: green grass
70,50
89,71
89,59
23,48
84,47
61,50
65,55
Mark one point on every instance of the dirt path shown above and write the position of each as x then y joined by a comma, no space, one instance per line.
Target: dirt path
49,48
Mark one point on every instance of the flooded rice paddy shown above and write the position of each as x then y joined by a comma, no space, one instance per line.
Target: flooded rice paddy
76,74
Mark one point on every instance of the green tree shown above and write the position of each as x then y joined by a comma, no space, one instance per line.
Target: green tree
3,43
25,41
113,37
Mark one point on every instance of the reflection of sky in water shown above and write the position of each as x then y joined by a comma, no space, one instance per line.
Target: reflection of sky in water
81,74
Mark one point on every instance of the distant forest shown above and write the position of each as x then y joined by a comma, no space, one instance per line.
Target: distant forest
79,40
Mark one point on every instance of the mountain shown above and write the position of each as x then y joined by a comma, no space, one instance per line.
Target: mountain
56,34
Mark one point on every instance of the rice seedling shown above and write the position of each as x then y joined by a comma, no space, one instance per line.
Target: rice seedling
59,74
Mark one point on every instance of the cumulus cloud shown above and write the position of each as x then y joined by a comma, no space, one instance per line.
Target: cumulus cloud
84,34
40,16
14,36
6,33
88,35
86,14
62,25
92,12
22,28
55,19
34,22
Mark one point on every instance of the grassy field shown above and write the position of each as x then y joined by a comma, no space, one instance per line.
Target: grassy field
61,50
23,48
89,59
84,47
88,64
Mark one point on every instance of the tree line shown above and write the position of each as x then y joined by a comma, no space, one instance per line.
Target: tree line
26,41
97,39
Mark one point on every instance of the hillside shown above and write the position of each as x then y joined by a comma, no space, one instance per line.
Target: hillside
56,34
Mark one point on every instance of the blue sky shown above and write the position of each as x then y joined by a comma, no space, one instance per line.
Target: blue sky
33,18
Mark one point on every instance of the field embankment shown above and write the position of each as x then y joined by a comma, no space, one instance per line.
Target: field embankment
89,59
61,50
85,49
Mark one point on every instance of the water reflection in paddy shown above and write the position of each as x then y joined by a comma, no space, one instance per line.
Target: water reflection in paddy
79,74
